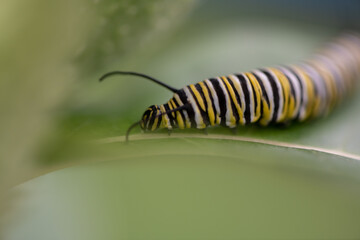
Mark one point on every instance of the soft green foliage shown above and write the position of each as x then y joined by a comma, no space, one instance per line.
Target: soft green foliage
121,28
194,189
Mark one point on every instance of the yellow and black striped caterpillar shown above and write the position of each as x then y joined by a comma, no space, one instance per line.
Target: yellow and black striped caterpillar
266,96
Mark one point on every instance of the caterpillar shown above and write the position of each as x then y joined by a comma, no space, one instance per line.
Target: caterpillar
273,95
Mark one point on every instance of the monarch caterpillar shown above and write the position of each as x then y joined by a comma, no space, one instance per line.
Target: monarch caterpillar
273,95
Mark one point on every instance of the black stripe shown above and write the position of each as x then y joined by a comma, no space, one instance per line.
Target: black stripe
285,101
222,100
233,107
189,110
153,116
181,112
263,90
159,122
212,100
254,95
206,117
247,111
202,112
170,115
301,90
146,114
262,95
238,99
292,91
275,93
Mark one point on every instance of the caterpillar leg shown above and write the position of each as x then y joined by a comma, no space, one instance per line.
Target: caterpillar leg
284,124
234,130
204,130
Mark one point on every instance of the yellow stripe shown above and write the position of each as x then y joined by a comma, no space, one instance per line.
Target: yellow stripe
151,113
265,118
165,121
196,109
187,122
258,94
310,92
173,114
239,90
232,116
172,106
316,100
210,109
291,98
179,119
286,91
236,103
155,121
198,96
213,93
267,107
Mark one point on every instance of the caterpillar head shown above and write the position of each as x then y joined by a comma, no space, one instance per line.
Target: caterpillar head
151,119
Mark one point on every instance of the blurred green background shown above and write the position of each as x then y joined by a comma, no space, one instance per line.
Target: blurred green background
54,112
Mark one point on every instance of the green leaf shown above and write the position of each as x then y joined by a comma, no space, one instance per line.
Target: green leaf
188,188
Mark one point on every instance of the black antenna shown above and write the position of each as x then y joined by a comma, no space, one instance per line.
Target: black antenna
139,75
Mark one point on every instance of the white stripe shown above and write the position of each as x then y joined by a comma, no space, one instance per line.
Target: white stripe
304,95
191,100
281,96
268,89
164,114
228,104
240,91
296,85
214,96
187,119
251,96
320,87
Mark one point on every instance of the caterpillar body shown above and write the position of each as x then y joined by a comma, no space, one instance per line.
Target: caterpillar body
273,95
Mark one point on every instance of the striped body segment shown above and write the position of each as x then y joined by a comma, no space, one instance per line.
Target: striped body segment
266,96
